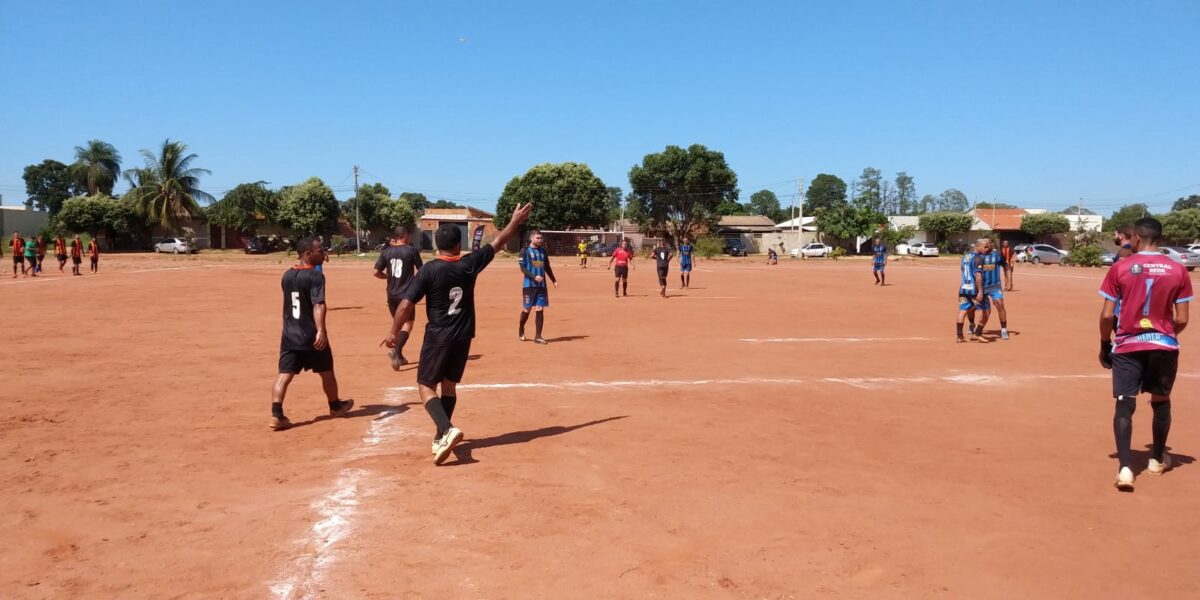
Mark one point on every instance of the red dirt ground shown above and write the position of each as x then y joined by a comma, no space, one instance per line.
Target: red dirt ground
137,462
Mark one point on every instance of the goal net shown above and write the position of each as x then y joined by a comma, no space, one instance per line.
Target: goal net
566,243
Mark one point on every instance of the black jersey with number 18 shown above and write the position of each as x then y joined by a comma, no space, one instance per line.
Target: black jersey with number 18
303,287
398,261
448,287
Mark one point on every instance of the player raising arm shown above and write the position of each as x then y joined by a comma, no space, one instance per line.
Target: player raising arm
448,286
1152,292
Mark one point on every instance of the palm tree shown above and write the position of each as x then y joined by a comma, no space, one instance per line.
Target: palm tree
168,185
100,164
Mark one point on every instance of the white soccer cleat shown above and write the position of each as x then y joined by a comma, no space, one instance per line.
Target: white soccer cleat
443,447
1124,480
1158,468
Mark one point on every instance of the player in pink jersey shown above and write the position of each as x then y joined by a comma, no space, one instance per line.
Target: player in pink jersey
1146,301
623,256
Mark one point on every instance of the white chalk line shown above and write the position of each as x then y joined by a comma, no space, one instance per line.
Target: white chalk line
850,340
66,277
316,551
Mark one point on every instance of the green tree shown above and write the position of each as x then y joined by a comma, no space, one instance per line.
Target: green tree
309,207
48,185
1182,225
564,196
826,191
766,203
1043,225
1075,210
906,193
416,201
729,207
848,222
1192,201
170,185
868,189
945,224
1126,215
99,165
613,205
894,236
447,204
927,203
362,208
391,213
953,200
681,190
244,207
994,205
94,214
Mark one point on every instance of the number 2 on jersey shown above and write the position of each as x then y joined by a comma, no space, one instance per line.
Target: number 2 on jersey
295,305
456,296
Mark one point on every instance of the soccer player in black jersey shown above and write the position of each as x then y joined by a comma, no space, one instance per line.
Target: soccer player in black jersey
662,259
305,342
397,263
447,284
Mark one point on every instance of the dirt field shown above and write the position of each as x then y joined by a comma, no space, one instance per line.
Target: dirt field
655,449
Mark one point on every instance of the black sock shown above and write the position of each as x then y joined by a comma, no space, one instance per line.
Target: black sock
521,327
1003,323
1123,429
1162,426
401,340
277,409
625,288
334,404
448,403
437,411
538,321
616,286
958,327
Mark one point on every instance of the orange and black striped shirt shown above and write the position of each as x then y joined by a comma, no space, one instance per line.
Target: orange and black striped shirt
18,246
76,249
93,249
60,246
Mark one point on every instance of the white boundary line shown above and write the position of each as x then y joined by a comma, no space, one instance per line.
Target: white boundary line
64,277
834,339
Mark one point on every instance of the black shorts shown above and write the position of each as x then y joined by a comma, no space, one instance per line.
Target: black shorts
1149,371
61,257
662,275
95,259
621,271
18,259
394,303
76,259
317,361
439,363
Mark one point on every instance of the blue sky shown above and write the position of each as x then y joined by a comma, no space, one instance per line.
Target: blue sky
1031,103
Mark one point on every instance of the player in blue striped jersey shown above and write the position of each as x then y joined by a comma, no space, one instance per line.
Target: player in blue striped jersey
970,290
879,261
993,269
535,266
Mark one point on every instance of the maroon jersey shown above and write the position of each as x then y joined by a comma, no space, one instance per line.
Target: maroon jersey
1146,287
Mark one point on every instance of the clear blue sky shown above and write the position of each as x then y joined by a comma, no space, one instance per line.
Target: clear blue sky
1031,103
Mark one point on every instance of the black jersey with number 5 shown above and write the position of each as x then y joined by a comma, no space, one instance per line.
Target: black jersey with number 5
448,287
398,262
303,287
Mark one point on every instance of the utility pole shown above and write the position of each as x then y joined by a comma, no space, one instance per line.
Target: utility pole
357,218
800,216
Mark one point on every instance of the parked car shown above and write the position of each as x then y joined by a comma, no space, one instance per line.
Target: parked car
1194,248
1042,254
812,249
1182,256
173,245
923,249
735,247
258,245
605,249
1108,258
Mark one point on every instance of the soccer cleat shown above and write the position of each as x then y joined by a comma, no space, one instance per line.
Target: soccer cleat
540,341
341,409
395,358
443,446
1124,479
1004,334
280,423
521,336
1158,468
960,339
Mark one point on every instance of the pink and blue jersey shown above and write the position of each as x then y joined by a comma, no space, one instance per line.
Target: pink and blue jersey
1146,287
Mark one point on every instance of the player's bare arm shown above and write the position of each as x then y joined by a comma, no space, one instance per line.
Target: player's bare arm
520,214
322,339
1181,317
379,274
550,271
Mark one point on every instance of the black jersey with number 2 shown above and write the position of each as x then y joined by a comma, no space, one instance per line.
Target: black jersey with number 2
448,287
303,287
398,262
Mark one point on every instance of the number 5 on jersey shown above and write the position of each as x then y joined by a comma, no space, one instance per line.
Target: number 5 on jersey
295,305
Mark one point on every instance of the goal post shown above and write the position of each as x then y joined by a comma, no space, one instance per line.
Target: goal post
566,243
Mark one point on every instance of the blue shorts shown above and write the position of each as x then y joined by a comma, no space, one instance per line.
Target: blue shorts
535,296
879,266
994,293
966,301
685,266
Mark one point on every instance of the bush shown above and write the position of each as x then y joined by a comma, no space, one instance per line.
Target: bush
837,252
337,243
709,246
1085,256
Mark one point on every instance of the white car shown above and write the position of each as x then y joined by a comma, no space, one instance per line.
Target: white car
1194,248
1181,256
172,244
814,249
923,249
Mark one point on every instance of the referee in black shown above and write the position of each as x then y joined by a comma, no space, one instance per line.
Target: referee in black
305,341
447,284
396,263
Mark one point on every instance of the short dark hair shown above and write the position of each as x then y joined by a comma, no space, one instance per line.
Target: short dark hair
1125,231
447,237
1148,229
400,231
305,244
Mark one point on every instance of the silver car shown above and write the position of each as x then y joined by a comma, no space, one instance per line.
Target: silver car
173,245
1042,254
1191,260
